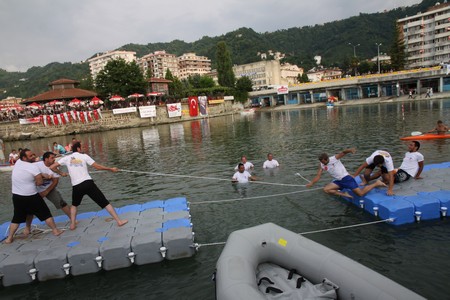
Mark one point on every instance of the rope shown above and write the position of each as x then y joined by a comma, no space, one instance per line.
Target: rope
250,198
209,178
348,226
316,231
300,175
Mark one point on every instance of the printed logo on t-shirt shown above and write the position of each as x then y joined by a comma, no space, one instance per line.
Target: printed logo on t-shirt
74,162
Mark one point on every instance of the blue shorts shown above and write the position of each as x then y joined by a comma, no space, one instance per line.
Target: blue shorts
348,182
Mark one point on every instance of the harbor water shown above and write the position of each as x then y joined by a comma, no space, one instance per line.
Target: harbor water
196,160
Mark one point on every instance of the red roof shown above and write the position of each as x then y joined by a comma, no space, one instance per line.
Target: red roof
61,94
64,81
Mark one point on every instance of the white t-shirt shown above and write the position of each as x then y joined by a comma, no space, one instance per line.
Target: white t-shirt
242,177
23,182
13,157
248,165
76,164
270,164
388,163
45,170
410,163
335,168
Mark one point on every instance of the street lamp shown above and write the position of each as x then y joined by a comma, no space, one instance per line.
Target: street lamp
354,48
378,57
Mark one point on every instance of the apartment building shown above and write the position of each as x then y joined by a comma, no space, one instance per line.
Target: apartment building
157,63
192,64
289,73
97,63
427,36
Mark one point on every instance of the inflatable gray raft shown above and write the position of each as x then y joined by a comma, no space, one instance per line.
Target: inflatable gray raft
270,262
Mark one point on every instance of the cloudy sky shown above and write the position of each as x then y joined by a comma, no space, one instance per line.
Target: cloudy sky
38,32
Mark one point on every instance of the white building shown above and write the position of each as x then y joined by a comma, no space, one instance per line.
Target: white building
156,64
427,36
316,75
192,64
263,73
97,63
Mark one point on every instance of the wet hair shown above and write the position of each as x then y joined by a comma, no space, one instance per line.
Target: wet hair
47,155
23,153
240,164
417,144
75,146
323,156
378,160
439,122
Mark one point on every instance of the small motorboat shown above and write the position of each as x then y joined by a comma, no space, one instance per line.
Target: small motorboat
247,112
426,136
270,262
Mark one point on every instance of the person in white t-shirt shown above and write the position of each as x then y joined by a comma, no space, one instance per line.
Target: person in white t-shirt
27,202
412,164
247,165
383,160
13,157
48,188
242,176
270,163
82,183
342,179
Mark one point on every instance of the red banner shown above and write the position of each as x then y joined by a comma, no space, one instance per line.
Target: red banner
193,106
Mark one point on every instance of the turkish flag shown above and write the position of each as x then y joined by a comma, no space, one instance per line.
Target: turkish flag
81,116
55,120
41,119
61,117
193,106
49,120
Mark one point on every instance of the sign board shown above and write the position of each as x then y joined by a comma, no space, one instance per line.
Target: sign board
126,110
282,90
217,101
147,111
174,110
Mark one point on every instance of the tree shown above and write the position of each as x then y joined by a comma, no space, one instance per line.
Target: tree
176,89
120,77
224,66
243,86
303,78
397,53
201,81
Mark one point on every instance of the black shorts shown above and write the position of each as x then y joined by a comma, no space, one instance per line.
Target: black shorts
89,188
382,168
401,176
29,205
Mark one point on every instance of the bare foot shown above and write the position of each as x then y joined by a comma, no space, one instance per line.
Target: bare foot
8,240
73,226
57,232
380,183
347,195
26,231
363,180
122,222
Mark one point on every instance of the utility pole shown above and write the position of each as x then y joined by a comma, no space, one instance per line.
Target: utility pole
354,48
378,56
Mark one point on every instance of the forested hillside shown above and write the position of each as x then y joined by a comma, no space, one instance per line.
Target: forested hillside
300,44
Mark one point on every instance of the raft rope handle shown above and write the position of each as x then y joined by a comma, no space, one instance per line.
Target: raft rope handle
210,178
316,231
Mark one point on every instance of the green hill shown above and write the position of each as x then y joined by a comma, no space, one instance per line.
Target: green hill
300,44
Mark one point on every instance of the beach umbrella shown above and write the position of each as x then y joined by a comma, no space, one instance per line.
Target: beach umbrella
35,105
75,102
135,95
54,102
95,101
116,98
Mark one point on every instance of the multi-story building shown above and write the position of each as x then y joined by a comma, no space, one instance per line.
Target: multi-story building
263,73
316,75
290,73
97,63
192,64
156,64
427,36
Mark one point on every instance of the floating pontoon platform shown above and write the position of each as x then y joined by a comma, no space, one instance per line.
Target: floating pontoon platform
413,200
155,231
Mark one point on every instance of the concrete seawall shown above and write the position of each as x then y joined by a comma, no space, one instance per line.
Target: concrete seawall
13,131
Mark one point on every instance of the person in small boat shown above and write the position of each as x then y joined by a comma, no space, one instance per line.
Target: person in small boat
412,164
270,163
58,149
82,183
440,128
242,175
383,160
27,202
342,179
247,165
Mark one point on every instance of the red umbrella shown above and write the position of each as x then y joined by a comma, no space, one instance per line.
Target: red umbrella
136,95
75,102
95,101
35,106
54,102
116,98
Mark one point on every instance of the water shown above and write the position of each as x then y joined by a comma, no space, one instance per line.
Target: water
415,255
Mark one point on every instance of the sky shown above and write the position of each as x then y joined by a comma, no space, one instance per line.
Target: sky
38,32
